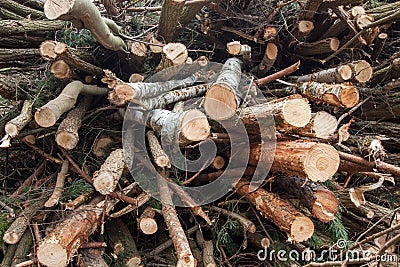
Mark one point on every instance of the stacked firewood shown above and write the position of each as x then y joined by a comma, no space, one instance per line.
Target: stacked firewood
316,94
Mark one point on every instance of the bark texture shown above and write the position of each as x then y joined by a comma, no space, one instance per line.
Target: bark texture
106,179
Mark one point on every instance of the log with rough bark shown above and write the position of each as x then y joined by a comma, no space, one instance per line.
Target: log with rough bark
91,257
132,91
207,248
283,214
159,156
324,46
289,112
48,115
341,95
170,97
67,133
270,56
303,28
87,12
321,125
169,19
61,70
378,45
21,10
317,198
314,161
23,248
190,11
14,233
15,27
146,223
333,75
59,188
309,9
224,96
179,239
182,127
106,178
14,126
173,54
7,54
122,243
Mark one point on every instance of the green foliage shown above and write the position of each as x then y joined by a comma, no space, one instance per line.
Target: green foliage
280,246
226,235
336,229
76,188
315,242
76,38
4,224
374,3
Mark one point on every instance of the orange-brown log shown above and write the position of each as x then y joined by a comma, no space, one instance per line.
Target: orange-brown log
283,214
270,55
317,198
61,70
311,160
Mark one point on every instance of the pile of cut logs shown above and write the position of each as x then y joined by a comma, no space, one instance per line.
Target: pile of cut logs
313,113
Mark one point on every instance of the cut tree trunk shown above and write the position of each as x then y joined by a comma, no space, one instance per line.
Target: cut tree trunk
235,48
48,115
224,96
324,46
61,70
190,12
67,133
23,248
181,244
132,91
289,112
87,12
317,198
169,19
146,223
106,179
159,156
218,162
341,95
173,54
298,227
122,243
14,233
314,161
362,71
333,75
303,28
183,127
378,45
321,125
14,126
270,56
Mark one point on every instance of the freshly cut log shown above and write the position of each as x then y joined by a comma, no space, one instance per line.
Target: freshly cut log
317,198
224,96
46,50
86,12
55,197
146,222
362,71
259,240
48,115
341,95
106,179
14,126
304,27
270,33
169,19
181,244
159,156
270,55
218,162
298,227
14,233
378,45
173,54
328,45
170,97
136,78
67,133
321,125
182,127
289,112
311,160
61,70
131,91
235,48
333,75
138,52
122,243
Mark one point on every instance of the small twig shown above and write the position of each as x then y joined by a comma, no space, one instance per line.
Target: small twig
352,110
42,153
278,74
8,208
94,245
28,181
